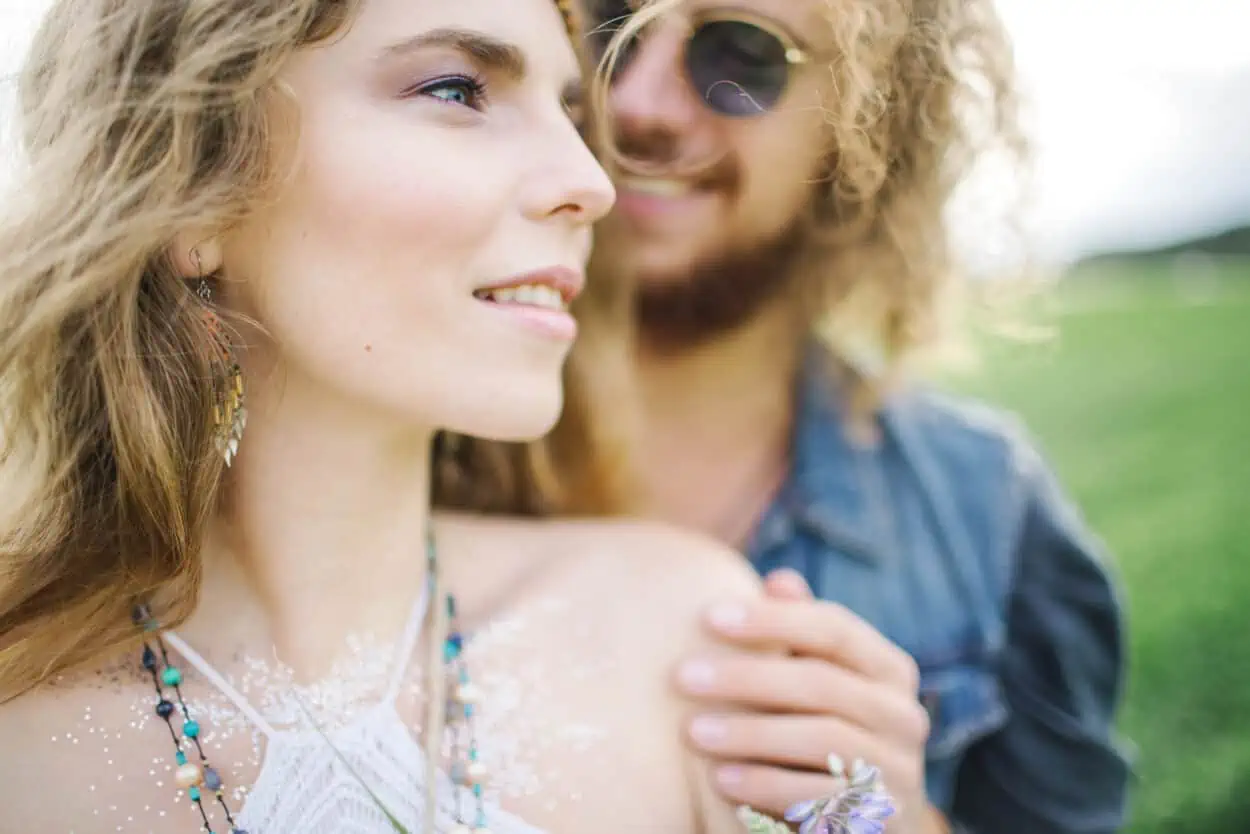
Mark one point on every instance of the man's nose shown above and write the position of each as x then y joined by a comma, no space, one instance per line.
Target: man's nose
650,94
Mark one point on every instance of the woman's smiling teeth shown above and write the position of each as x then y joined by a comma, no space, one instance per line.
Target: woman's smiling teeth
528,295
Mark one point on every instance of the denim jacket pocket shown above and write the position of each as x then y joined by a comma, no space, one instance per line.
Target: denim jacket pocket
965,704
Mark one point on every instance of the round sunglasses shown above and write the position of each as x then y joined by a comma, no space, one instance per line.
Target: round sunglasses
739,64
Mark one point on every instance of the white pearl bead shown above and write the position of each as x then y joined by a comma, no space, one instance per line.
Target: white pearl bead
188,775
467,693
476,771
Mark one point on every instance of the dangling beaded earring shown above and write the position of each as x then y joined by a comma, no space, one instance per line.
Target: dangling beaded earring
229,410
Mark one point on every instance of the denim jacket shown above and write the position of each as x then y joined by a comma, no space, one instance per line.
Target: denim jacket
950,535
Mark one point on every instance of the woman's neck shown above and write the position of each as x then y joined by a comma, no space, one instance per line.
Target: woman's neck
322,531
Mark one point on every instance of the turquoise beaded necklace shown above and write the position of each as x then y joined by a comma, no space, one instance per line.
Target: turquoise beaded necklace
194,777
200,779
467,770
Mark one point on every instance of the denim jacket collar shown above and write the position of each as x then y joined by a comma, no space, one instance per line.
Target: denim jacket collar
836,488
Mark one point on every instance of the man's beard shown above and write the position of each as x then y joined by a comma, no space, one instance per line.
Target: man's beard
717,294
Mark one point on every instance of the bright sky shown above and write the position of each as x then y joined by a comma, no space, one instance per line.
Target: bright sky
1142,116
1141,113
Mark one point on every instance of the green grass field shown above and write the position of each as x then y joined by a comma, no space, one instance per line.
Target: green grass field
1141,398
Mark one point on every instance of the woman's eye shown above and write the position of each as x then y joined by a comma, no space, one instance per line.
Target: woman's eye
460,89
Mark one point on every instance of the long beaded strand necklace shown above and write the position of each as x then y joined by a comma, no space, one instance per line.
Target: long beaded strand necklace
194,778
467,770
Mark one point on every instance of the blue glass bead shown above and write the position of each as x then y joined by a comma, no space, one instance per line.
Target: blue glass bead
473,754
451,606
481,817
180,757
191,729
171,676
464,675
477,790
468,710
149,659
194,793
212,780
164,709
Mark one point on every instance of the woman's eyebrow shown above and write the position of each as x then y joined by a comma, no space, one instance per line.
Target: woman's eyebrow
490,52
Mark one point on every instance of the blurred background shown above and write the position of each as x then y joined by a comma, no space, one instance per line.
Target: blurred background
1140,394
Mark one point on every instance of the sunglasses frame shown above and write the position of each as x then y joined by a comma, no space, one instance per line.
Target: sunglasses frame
795,55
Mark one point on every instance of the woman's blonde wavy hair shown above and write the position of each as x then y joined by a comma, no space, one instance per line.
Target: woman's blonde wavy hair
139,119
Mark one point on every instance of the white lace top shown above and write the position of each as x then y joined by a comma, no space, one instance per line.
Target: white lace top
312,783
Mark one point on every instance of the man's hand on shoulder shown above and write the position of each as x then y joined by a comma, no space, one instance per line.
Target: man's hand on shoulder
804,679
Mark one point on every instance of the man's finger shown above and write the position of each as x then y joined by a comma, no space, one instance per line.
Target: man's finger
798,685
818,629
770,790
785,583
801,742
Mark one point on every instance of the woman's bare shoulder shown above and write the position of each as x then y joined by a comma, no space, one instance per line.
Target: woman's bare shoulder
652,553
76,756
27,721
667,579
637,592
668,558
43,737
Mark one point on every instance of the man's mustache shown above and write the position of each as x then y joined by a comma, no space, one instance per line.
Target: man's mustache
658,154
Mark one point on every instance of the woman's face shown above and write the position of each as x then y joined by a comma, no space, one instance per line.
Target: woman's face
434,158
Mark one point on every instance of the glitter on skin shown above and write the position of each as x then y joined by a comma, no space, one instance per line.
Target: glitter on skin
530,747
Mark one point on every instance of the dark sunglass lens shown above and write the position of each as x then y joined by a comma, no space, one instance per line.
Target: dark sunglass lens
738,68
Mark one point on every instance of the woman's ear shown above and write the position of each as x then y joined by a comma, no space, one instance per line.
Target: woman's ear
195,256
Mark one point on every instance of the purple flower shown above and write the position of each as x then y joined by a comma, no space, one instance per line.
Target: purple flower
815,816
868,815
865,777
859,810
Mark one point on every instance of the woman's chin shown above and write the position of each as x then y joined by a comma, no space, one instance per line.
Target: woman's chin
514,419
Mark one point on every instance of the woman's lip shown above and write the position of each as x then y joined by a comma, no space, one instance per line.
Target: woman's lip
558,324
